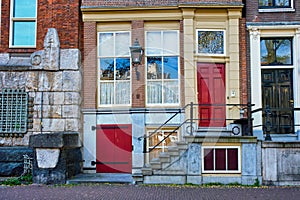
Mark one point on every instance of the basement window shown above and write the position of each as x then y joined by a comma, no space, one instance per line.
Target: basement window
13,112
221,159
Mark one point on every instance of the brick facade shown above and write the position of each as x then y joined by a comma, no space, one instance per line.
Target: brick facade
64,16
253,14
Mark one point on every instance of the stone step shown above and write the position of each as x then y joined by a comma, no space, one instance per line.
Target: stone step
147,171
169,172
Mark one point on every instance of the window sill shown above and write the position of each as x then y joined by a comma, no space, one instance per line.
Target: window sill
276,10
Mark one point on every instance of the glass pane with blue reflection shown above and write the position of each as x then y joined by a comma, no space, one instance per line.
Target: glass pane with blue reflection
171,67
24,33
276,51
122,69
107,69
24,8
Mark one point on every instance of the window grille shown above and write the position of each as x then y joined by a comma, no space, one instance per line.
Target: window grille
13,112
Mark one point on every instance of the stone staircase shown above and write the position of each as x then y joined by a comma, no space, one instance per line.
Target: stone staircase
168,168
171,167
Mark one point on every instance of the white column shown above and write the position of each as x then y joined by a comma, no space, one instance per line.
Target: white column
256,94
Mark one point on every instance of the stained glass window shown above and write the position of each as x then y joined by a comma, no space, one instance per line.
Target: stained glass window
210,42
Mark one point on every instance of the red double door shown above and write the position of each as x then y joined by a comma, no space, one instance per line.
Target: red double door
211,94
114,148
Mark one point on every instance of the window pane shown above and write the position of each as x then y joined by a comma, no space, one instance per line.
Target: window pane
122,69
154,67
282,3
208,159
265,3
24,33
170,67
154,43
106,92
276,51
154,92
107,69
232,155
171,92
24,8
220,159
106,44
122,44
170,40
122,92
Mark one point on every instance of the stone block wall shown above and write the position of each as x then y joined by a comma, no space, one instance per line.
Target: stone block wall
280,163
53,78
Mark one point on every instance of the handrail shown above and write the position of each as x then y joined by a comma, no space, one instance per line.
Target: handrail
162,125
190,120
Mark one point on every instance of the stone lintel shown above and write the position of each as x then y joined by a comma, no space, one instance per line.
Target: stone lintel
221,139
55,140
295,144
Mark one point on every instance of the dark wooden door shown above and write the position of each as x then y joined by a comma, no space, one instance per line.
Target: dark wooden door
114,148
211,94
277,97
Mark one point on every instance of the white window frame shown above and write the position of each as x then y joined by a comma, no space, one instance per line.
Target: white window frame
24,19
176,54
291,9
163,147
99,75
221,171
211,54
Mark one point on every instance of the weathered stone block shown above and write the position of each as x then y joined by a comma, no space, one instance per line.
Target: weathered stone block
72,81
73,98
73,125
70,59
55,140
71,111
53,125
12,160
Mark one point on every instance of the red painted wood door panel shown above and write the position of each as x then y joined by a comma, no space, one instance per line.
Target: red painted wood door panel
114,148
211,90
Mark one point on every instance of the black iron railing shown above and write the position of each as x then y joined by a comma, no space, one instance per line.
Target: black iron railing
190,120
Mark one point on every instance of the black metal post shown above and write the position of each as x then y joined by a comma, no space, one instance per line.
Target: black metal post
268,124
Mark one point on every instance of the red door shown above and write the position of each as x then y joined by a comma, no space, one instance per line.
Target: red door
211,94
114,147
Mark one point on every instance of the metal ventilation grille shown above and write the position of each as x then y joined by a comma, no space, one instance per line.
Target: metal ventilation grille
13,112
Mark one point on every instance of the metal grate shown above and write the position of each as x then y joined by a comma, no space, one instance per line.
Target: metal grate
13,112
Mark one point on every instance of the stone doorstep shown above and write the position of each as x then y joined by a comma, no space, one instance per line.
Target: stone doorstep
102,178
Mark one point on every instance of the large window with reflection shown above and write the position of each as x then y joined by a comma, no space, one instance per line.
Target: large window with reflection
114,68
162,61
23,23
276,51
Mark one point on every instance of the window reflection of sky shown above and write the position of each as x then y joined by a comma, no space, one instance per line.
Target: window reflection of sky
283,52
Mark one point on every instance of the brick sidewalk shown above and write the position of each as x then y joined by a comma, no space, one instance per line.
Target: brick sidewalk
145,192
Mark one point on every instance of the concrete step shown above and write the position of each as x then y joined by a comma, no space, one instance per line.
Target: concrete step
101,178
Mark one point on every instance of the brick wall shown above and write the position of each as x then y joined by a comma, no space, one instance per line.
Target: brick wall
63,15
89,65
138,83
252,14
243,62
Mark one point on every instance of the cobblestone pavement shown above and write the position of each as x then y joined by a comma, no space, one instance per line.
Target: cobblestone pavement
145,192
